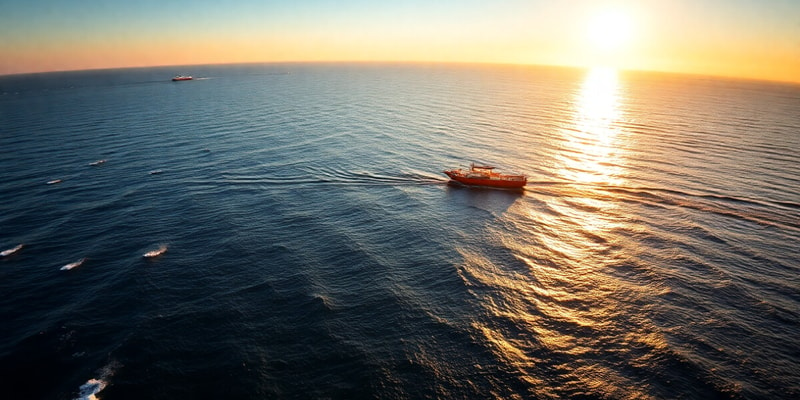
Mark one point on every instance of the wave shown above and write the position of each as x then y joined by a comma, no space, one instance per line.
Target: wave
342,175
157,252
74,264
330,176
761,211
13,250
90,389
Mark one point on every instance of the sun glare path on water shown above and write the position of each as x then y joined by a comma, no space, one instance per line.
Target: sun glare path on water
557,290
591,152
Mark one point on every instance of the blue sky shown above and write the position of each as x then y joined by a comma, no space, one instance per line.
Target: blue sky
738,37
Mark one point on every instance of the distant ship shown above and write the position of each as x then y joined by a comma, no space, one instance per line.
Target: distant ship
484,175
182,78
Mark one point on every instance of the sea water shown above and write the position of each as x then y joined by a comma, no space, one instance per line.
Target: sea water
315,249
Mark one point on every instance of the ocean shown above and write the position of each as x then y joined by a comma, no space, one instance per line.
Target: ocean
313,249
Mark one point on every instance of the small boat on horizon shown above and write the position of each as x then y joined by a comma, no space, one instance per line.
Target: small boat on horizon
182,78
485,175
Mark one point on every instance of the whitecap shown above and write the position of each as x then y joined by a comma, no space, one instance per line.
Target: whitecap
74,264
155,253
89,389
11,251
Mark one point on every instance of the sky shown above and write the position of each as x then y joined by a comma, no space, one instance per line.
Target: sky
736,38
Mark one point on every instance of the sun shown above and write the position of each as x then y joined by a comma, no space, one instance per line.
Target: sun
610,30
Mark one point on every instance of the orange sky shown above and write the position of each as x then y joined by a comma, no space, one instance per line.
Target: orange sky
737,38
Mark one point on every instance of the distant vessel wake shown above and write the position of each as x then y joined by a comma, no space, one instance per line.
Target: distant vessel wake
89,389
155,253
11,251
74,264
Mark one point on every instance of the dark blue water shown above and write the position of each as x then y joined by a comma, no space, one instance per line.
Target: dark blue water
315,250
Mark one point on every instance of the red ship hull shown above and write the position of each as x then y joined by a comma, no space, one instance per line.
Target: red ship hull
485,176
182,78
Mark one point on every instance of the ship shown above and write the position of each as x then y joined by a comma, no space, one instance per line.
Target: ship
182,78
485,175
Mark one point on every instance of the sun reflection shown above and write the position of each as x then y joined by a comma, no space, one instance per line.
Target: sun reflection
592,151
563,301
599,100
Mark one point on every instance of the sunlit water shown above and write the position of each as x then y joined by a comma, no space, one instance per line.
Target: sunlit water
313,249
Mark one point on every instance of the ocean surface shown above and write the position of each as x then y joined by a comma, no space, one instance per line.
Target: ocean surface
315,250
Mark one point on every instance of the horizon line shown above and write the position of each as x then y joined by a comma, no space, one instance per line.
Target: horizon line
429,62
